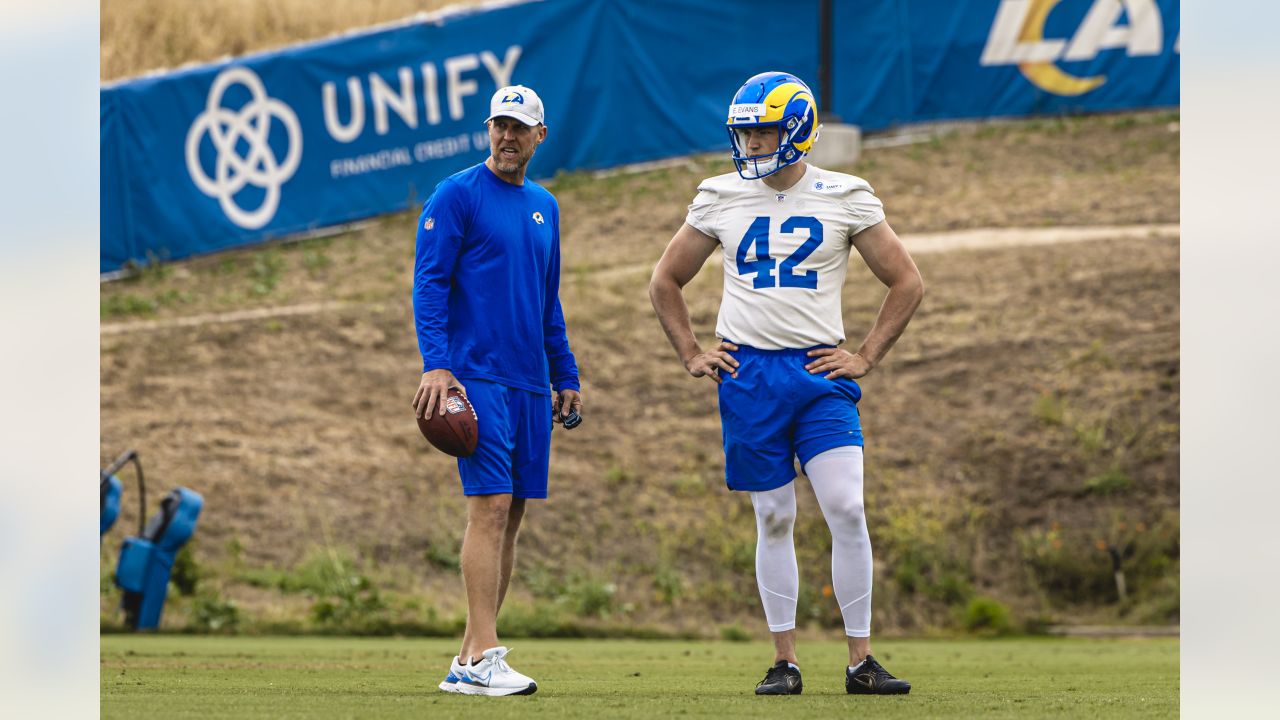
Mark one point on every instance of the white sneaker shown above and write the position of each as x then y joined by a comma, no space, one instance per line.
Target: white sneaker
457,671
493,676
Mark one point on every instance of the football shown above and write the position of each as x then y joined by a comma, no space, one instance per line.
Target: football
457,430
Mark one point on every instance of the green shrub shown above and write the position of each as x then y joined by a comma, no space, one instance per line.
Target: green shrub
107,578
1159,601
444,556
1076,566
588,597
124,304
1048,409
353,605
688,486
209,612
950,588
618,476
537,620
1068,569
926,555
810,606
266,271
667,583
1037,625
580,595
1091,438
316,260
235,551
542,581
1108,483
343,597
987,616
185,574
734,633
172,297
549,619
739,556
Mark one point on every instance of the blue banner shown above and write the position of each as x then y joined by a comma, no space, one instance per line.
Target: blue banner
319,134
904,61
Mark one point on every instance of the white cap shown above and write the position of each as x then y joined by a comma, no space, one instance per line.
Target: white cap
516,101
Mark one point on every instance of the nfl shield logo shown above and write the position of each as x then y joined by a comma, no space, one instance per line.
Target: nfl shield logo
430,223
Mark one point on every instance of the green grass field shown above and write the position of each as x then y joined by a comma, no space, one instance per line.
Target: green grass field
214,677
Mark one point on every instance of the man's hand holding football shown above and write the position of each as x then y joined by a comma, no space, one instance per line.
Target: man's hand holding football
432,391
713,362
837,362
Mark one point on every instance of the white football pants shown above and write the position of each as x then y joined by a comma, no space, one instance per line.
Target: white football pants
836,476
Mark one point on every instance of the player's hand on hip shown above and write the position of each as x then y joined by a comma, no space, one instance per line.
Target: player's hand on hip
837,362
713,362
433,390
565,401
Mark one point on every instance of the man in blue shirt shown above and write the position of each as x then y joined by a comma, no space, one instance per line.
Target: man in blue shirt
486,304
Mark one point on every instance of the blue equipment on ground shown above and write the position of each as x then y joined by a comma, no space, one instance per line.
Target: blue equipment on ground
109,509
112,489
147,561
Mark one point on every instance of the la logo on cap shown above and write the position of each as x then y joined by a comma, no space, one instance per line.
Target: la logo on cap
516,101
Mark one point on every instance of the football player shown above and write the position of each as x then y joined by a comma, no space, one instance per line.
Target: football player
787,389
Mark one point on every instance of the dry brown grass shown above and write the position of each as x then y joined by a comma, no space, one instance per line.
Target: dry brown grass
1026,374
142,35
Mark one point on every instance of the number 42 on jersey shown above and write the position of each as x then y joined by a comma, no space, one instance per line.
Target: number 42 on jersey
763,266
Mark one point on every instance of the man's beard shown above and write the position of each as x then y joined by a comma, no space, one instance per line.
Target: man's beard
509,166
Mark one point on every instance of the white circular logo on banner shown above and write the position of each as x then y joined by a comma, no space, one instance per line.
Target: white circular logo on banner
249,126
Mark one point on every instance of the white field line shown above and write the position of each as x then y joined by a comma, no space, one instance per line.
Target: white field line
922,244
212,319
990,238
979,239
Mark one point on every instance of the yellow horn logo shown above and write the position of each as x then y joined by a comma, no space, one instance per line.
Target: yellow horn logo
1046,75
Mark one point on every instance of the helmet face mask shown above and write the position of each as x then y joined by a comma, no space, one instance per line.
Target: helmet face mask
777,100
755,167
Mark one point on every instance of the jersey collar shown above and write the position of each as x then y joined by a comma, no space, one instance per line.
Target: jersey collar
799,184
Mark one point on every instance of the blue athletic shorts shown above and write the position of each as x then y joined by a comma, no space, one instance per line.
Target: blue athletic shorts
775,411
514,449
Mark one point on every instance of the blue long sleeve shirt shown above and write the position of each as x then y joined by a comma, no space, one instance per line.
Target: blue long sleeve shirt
486,283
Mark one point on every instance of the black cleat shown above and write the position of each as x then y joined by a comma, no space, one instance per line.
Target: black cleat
782,679
870,678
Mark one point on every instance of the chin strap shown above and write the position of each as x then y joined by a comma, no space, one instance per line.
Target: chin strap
772,165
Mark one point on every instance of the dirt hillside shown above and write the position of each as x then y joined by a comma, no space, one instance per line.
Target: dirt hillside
1026,422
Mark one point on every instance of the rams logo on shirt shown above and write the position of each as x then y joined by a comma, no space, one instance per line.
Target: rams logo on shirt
537,217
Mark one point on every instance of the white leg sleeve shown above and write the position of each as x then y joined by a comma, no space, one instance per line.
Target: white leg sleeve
836,476
777,574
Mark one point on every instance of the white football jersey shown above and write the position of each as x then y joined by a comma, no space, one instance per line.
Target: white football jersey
785,254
